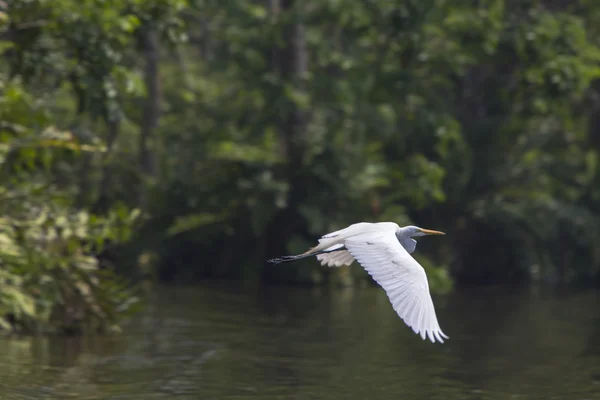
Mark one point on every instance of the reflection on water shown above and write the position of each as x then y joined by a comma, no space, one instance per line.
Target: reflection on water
268,343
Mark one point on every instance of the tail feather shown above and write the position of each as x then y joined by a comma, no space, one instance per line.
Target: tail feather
328,243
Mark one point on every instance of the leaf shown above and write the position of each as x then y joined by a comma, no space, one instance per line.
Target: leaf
191,222
22,304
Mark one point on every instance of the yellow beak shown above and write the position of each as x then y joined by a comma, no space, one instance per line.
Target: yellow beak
430,232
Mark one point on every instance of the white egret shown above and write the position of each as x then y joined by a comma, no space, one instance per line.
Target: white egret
383,249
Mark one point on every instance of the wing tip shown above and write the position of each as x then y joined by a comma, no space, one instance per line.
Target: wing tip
433,335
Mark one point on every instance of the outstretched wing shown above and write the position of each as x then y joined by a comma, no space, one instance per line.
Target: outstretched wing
336,256
401,276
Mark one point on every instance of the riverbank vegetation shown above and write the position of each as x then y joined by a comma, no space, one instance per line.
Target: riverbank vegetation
207,136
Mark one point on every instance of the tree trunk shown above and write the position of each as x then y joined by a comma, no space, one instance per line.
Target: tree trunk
113,128
291,64
148,164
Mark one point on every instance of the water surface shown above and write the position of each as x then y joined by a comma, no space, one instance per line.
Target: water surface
223,342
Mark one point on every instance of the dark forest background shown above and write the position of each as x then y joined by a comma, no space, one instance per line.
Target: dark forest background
188,140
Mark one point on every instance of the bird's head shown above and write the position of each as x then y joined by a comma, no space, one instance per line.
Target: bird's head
414,231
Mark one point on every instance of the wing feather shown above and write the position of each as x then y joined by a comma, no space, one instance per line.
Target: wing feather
401,276
336,259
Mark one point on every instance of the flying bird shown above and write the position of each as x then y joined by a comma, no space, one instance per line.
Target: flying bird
383,249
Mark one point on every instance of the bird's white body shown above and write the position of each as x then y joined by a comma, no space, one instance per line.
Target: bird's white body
383,250
344,257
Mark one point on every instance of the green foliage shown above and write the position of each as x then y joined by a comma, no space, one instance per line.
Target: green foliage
53,275
280,124
470,117
50,276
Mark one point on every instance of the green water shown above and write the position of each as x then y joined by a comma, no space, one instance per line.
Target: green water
281,343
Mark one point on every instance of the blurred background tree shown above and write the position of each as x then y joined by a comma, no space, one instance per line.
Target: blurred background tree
245,130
